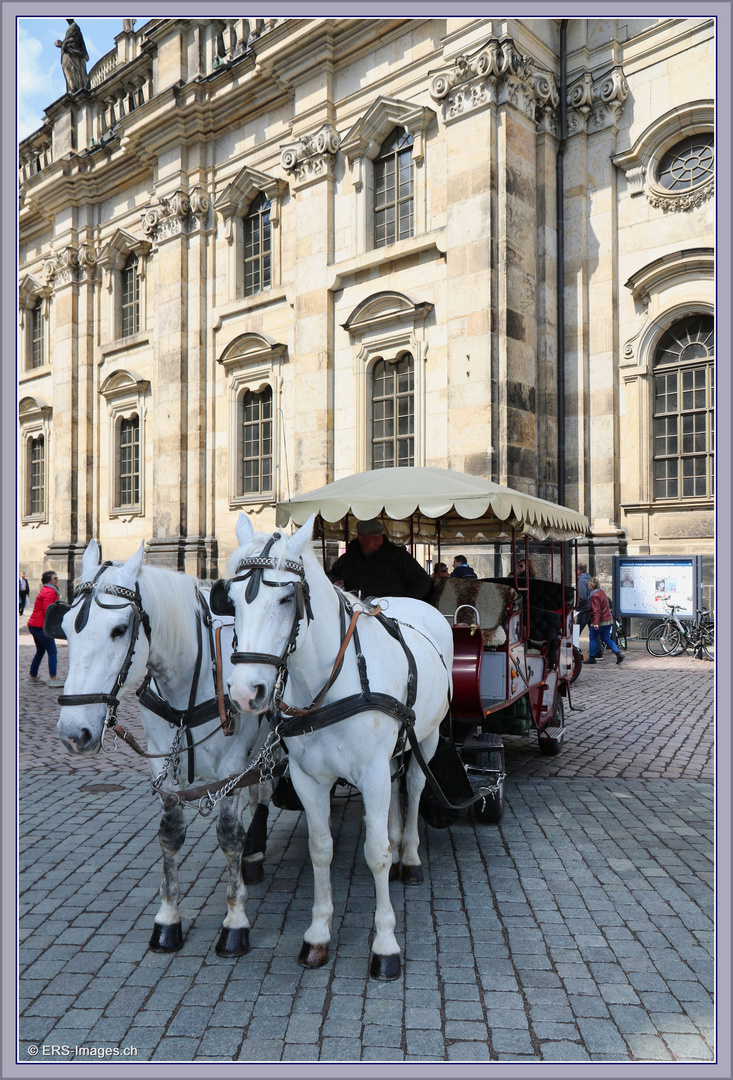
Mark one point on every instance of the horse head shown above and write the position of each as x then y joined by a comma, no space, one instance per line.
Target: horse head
269,595
104,627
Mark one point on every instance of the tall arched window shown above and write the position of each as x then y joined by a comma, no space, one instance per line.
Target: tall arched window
393,413
257,246
37,357
130,297
394,190
256,458
683,410
36,476
128,477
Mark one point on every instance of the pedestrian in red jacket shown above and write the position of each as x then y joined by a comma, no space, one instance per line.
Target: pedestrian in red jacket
601,622
48,595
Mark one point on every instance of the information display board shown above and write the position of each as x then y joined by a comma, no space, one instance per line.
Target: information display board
644,585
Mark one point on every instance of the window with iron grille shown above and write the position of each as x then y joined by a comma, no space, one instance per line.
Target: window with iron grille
688,163
257,247
684,410
394,193
256,476
36,475
37,357
129,459
130,297
393,413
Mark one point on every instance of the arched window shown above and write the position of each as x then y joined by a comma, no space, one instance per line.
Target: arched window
36,501
128,476
256,444
257,246
130,297
37,352
688,163
393,413
394,190
683,410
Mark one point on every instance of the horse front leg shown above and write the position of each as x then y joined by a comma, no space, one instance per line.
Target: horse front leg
376,790
234,936
167,935
316,799
411,870
255,842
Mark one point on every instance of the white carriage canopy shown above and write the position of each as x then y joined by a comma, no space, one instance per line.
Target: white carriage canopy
429,506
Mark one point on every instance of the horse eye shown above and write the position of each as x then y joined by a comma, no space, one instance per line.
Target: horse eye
286,599
118,632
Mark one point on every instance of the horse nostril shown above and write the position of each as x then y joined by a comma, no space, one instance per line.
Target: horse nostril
85,737
260,692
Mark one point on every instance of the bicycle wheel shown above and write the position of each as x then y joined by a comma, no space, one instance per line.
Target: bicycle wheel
664,640
621,636
707,642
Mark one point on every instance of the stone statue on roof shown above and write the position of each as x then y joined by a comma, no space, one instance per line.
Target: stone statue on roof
73,59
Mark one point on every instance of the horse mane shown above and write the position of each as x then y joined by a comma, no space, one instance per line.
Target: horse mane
169,598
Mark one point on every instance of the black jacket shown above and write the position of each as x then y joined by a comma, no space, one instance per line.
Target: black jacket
390,571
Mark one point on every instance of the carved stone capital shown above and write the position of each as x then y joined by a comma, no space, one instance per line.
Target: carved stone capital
69,266
595,102
311,157
177,214
498,73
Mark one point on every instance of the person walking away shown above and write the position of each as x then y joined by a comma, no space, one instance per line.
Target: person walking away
583,596
48,595
24,592
601,622
374,566
462,569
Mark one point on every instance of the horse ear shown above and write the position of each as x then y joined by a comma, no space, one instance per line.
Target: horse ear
133,566
89,560
298,543
245,532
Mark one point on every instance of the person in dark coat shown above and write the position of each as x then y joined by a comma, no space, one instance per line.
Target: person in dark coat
24,592
583,595
461,568
374,566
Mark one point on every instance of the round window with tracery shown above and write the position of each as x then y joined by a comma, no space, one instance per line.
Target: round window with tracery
688,164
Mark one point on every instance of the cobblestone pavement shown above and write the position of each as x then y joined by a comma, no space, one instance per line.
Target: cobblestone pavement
580,929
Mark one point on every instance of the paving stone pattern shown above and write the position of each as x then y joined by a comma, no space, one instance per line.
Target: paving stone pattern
580,929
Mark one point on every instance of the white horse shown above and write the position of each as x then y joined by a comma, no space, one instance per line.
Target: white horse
288,635
128,617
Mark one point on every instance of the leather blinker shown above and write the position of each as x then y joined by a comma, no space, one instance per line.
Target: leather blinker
52,622
219,600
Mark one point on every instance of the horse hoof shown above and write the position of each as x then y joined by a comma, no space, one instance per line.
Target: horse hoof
252,871
233,941
313,956
166,938
412,875
394,872
386,968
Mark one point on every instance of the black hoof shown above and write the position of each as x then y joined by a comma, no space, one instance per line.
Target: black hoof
412,875
394,872
166,938
313,956
386,968
252,871
233,941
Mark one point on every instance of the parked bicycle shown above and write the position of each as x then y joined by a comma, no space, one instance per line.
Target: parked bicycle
673,636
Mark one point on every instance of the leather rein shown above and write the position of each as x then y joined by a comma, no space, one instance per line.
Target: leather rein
194,715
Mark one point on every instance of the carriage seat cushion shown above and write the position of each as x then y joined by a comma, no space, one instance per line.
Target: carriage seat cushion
490,598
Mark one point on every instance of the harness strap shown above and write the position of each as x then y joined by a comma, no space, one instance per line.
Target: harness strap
227,720
306,724
172,799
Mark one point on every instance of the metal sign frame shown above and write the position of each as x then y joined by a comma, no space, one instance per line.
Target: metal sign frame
639,579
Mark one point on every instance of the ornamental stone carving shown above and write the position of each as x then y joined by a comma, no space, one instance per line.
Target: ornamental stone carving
496,73
689,200
176,214
595,103
311,157
70,265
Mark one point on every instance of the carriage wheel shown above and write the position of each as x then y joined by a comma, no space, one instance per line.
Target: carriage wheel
490,810
577,664
550,745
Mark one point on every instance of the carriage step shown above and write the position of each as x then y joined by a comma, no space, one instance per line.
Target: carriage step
482,741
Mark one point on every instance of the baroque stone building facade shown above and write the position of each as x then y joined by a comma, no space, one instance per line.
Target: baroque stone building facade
258,255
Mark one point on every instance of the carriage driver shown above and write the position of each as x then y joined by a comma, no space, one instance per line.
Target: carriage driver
374,566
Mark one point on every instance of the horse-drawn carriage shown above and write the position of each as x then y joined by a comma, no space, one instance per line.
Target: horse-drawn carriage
513,654
375,690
